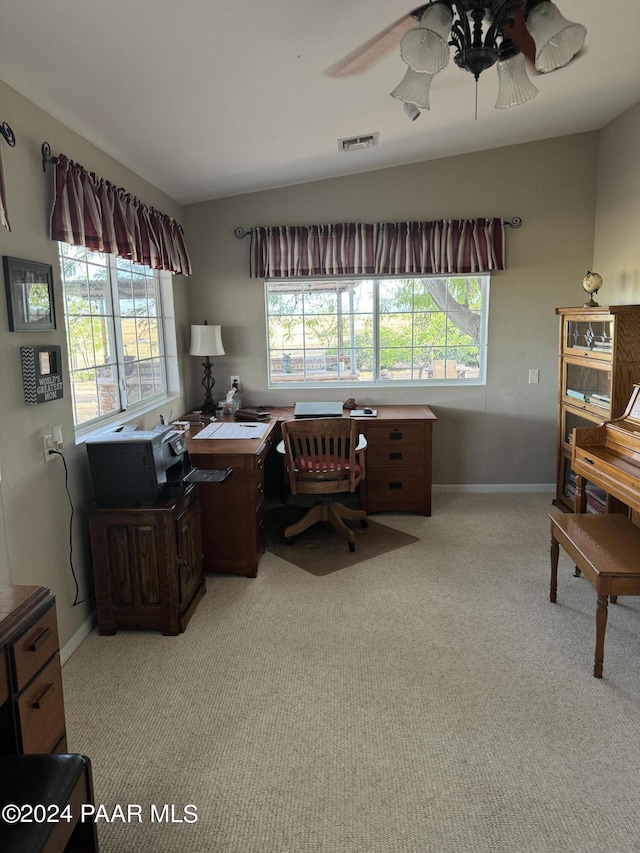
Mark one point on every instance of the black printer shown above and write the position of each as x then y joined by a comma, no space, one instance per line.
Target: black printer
131,467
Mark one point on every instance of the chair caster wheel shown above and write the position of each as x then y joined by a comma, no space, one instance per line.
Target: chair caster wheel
290,540
352,546
364,523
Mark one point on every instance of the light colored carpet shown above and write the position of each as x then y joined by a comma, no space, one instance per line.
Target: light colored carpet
428,700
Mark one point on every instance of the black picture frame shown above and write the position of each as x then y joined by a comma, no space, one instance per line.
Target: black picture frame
29,289
41,373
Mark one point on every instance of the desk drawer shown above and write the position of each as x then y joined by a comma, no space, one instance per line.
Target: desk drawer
34,648
41,710
394,456
395,484
394,434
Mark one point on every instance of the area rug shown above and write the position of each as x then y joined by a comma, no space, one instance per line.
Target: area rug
320,550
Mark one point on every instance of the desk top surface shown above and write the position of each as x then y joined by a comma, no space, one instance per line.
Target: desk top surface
252,446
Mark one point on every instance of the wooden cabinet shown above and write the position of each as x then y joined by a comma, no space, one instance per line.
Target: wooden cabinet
233,513
599,364
147,564
31,701
398,460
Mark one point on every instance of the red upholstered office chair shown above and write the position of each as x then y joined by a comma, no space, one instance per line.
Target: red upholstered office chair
324,457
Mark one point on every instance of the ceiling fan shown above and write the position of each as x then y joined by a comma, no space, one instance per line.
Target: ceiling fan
484,33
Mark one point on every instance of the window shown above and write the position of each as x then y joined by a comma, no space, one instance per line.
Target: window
114,324
378,331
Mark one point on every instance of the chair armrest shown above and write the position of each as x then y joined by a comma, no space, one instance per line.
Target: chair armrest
280,448
362,443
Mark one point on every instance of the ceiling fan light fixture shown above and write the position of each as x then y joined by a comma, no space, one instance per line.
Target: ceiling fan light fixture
557,40
514,85
414,89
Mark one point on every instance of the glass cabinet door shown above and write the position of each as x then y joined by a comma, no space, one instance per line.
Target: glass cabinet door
586,335
587,385
570,420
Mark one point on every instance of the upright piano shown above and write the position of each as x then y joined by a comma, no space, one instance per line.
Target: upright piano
608,456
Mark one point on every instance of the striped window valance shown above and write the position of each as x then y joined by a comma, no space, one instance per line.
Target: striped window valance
89,211
445,246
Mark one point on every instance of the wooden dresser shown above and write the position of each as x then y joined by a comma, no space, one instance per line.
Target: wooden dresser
147,564
31,702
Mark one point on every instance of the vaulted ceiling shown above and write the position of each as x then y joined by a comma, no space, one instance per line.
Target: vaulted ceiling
210,98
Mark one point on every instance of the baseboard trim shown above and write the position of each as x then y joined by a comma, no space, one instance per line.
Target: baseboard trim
78,638
495,487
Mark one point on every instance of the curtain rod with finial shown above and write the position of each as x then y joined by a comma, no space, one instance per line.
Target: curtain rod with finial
240,233
8,134
47,158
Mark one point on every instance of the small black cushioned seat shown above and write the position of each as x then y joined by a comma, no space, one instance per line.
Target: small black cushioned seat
47,780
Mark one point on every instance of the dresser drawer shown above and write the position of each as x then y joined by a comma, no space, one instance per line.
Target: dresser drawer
5,690
34,648
41,710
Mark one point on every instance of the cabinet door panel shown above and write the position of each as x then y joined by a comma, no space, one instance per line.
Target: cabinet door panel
189,542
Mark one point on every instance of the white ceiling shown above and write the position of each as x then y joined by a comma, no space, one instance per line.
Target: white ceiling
210,98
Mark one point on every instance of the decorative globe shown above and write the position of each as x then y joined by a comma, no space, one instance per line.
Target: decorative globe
592,282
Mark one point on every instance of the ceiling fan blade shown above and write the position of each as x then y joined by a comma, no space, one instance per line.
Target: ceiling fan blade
373,50
518,33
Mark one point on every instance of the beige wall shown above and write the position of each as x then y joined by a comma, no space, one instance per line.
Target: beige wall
617,237
34,527
504,433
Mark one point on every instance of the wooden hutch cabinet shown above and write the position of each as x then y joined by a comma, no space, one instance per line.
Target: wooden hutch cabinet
599,364
147,564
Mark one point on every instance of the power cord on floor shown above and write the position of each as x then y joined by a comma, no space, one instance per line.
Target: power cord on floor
75,602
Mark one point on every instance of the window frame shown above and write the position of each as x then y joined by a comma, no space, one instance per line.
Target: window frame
165,315
483,278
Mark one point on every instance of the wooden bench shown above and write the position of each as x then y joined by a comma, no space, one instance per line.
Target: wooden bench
606,549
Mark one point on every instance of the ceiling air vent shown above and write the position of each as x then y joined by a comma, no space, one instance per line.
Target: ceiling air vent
355,143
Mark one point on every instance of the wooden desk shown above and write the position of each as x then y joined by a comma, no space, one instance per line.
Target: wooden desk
398,479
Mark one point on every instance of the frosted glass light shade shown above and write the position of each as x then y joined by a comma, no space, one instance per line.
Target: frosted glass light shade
514,86
206,340
425,48
557,40
414,89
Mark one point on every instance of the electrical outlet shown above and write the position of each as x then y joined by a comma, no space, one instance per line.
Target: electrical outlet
534,376
47,440
235,379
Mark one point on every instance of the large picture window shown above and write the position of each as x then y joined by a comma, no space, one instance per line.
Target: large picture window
114,323
377,331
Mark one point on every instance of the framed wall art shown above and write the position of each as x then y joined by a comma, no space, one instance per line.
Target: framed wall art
41,374
29,289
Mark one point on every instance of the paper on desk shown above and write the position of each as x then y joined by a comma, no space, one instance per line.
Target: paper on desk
217,429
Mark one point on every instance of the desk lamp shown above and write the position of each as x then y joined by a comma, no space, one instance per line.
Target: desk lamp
207,341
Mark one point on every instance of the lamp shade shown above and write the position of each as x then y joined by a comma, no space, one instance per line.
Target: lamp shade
206,340
414,89
557,39
514,86
425,48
